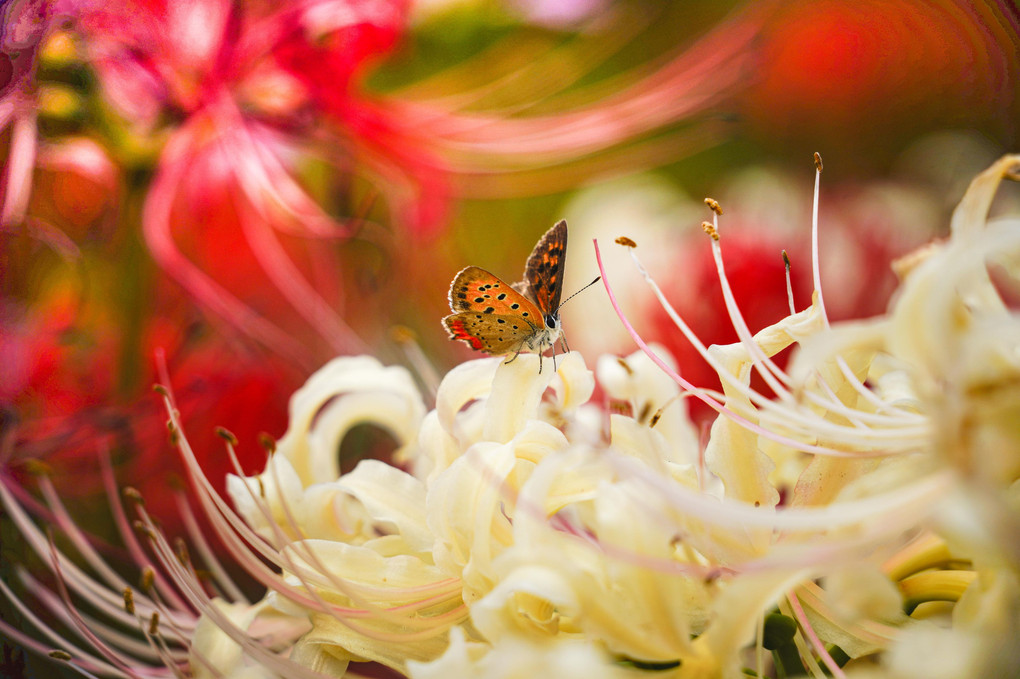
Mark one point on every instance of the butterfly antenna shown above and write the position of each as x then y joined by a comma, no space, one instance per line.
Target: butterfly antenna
597,279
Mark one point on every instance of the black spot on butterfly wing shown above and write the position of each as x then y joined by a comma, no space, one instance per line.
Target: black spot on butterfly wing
544,270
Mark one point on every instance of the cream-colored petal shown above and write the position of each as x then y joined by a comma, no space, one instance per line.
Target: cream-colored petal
530,600
345,392
276,490
574,383
463,384
517,390
391,497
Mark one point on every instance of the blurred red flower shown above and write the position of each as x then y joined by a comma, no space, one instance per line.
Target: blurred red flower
846,77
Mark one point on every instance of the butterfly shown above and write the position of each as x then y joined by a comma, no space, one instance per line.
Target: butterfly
497,318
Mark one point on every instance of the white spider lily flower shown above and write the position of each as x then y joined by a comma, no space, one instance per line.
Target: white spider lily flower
859,519
301,487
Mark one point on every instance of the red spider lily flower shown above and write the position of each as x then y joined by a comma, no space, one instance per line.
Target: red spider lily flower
251,112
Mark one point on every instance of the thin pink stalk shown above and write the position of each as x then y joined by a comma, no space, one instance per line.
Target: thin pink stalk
912,503
60,642
127,534
199,544
712,403
776,378
813,425
193,591
767,368
219,512
70,529
114,635
809,631
816,270
438,590
97,595
115,658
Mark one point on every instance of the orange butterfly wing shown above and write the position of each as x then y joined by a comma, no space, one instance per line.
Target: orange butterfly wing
543,273
490,315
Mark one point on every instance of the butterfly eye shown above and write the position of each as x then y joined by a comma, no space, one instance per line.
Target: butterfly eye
552,321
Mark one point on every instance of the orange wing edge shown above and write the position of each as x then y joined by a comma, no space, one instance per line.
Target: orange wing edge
458,331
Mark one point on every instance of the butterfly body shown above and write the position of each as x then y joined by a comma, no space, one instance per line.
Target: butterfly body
498,318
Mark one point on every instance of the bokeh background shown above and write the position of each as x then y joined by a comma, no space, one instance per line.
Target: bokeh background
239,191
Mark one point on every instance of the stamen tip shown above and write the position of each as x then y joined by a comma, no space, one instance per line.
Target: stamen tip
713,205
35,467
710,230
143,529
226,435
818,161
129,601
401,334
267,442
148,579
655,418
626,242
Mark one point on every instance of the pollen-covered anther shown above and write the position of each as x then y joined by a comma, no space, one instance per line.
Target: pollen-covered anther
131,494
655,418
401,334
35,467
713,205
710,230
181,549
626,242
161,390
226,435
148,579
267,442
154,623
174,434
57,654
818,161
143,529
129,601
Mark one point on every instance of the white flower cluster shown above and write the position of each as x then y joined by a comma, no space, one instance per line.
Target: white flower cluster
861,519
530,530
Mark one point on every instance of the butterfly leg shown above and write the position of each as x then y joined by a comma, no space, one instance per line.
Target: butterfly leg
519,347
566,348
554,356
